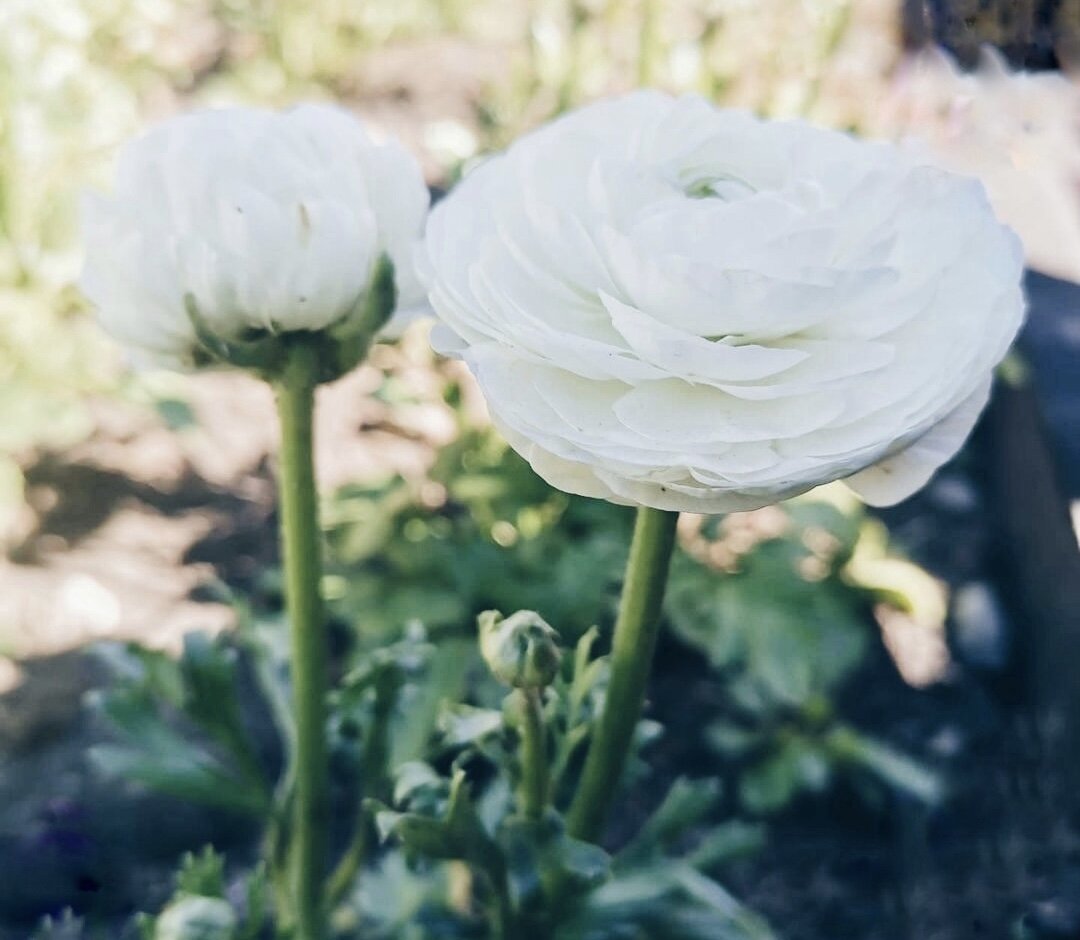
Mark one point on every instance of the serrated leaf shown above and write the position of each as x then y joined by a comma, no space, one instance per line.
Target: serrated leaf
202,874
184,772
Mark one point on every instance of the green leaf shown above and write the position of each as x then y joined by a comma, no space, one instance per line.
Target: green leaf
887,764
770,784
712,895
202,874
731,740
781,640
667,901
686,804
726,843
412,777
184,772
460,725
220,772
457,834
542,859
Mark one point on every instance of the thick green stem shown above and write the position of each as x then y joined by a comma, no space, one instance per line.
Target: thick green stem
636,630
534,758
303,570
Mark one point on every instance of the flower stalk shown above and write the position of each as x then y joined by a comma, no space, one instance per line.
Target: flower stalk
535,775
636,631
301,549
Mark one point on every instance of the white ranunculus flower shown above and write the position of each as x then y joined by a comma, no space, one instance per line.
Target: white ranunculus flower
270,222
687,308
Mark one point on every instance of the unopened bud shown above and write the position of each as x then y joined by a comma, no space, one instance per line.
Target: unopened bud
521,650
196,918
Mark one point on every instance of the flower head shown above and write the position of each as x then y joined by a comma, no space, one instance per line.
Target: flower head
238,225
682,307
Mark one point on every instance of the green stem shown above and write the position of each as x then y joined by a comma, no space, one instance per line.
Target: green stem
376,785
569,90
303,570
534,760
636,630
502,913
648,43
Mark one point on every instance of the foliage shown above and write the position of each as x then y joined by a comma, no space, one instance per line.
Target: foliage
498,538
426,745
784,628
433,778
180,726
533,878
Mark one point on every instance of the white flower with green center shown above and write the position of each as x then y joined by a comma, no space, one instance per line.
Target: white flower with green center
687,308
239,225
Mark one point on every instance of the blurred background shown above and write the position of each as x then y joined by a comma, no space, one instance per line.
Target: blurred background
942,635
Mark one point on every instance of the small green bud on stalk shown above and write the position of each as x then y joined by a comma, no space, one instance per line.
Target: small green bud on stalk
521,650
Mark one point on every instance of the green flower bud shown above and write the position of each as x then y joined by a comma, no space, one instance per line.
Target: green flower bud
196,918
521,650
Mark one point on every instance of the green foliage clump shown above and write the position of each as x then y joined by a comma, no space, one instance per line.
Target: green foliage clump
784,629
496,537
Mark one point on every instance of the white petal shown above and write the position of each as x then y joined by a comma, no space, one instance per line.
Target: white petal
673,410
903,474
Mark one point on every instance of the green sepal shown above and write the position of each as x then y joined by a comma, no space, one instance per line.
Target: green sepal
339,347
353,336
264,354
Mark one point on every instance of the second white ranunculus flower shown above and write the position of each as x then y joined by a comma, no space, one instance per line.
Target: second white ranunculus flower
676,306
265,223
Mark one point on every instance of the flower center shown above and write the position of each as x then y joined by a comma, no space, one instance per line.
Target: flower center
719,186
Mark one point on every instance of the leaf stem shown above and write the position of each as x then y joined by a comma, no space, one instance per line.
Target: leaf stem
303,570
634,643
